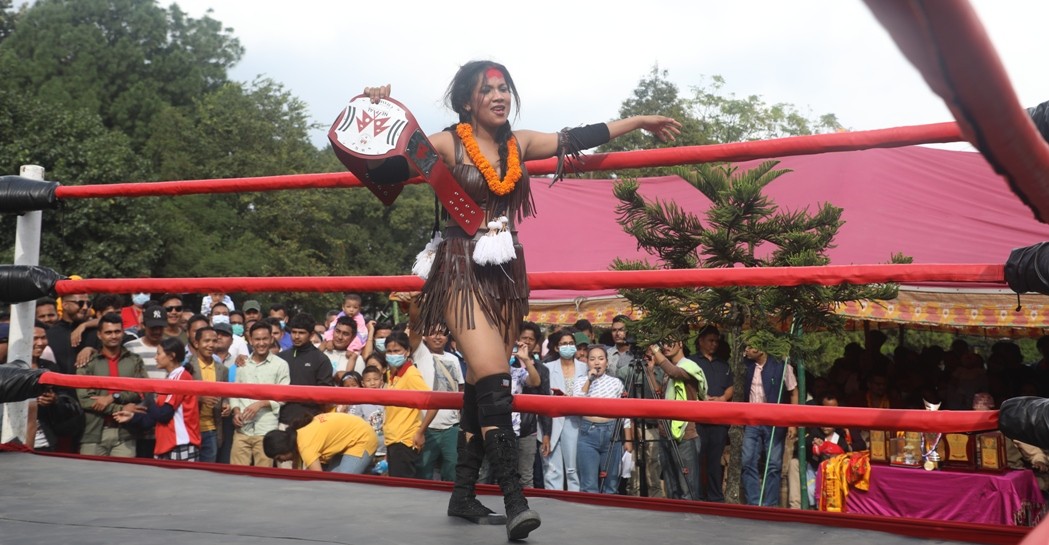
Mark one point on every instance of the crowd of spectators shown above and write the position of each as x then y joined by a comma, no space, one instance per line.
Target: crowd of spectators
162,337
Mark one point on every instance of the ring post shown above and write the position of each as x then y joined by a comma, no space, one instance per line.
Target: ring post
23,315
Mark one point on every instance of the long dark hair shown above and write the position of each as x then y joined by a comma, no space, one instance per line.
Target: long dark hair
460,92
173,347
551,342
278,442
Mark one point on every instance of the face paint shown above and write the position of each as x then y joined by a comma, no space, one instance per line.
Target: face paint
494,73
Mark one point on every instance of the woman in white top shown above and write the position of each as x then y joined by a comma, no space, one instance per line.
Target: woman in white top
599,450
559,467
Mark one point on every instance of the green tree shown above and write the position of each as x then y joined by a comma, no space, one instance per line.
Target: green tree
124,90
742,228
261,130
93,237
711,115
120,59
657,95
8,17
723,117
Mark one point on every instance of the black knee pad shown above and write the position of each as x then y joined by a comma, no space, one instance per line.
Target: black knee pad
468,419
494,401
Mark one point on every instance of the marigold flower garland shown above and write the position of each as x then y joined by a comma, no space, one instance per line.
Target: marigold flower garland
513,161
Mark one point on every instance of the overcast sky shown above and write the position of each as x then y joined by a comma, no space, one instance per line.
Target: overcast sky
575,62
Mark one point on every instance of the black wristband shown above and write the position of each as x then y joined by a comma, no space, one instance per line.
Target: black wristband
392,171
581,138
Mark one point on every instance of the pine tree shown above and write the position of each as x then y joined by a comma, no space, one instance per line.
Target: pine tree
743,228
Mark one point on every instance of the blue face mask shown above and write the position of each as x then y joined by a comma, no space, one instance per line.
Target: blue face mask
396,360
282,325
566,351
140,299
238,329
380,344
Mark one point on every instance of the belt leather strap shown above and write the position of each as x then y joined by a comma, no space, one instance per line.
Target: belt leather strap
365,131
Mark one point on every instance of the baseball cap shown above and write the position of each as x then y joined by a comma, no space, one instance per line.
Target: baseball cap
252,304
154,316
581,338
223,328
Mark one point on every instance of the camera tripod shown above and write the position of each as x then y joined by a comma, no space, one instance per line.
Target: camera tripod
676,473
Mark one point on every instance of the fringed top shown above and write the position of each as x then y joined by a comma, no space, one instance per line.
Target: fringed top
456,283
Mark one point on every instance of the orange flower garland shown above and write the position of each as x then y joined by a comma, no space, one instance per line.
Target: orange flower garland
513,161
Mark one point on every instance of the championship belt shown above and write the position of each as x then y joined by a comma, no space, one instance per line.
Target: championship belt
365,131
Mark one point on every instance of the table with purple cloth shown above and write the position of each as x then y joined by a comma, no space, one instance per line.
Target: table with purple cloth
1010,498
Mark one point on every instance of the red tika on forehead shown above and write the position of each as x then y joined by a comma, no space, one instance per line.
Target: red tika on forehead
494,73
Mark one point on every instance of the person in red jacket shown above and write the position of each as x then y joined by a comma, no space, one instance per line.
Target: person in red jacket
174,416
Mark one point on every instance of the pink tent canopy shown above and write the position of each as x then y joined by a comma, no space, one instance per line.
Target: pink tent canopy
934,205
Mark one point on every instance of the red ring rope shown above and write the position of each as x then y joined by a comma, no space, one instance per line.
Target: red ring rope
581,280
712,411
744,151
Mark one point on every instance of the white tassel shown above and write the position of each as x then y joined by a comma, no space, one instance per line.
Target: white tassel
485,250
424,259
496,247
505,243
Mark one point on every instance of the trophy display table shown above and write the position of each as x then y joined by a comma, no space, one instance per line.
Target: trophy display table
1010,498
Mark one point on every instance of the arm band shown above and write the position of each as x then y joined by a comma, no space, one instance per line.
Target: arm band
578,139
392,171
570,142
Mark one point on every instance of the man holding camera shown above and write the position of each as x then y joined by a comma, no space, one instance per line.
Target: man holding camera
683,381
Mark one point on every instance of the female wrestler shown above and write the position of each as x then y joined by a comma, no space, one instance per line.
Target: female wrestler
483,305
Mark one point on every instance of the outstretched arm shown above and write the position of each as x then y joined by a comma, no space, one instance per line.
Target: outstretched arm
540,145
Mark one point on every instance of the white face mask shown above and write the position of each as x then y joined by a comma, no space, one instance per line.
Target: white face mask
140,299
219,319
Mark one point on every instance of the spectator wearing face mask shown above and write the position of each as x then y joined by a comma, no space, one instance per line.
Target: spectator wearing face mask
233,350
559,471
131,315
403,433
377,332
237,323
279,313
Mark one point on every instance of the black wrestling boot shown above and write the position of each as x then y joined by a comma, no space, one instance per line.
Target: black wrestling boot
501,449
464,503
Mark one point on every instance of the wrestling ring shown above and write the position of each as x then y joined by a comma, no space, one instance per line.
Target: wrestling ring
51,498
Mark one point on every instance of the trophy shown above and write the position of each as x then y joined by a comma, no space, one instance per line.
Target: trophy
931,443
905,450
879,440
931,448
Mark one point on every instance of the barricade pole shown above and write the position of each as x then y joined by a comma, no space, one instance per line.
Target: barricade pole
23,315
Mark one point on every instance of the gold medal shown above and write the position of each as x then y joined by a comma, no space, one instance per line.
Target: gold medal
929,465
